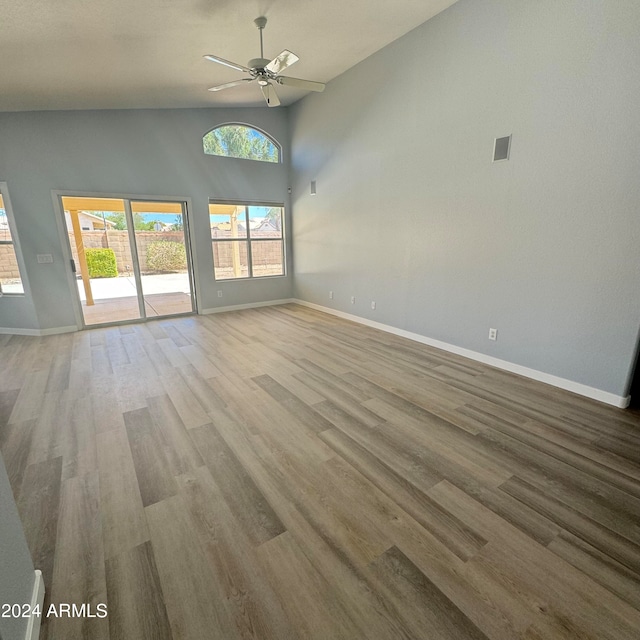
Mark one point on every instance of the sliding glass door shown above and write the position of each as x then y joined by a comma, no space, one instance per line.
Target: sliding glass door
161,245
131,258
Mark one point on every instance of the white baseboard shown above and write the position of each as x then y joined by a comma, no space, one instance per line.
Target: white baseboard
562,383
36,332
251,305
37,600
57,330
19,332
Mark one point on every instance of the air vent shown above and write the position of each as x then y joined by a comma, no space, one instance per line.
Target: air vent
501,148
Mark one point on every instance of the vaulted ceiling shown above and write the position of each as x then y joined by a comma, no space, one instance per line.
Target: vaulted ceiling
110,54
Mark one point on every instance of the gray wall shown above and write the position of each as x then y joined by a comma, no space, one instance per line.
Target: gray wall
16,569
152,153
411,212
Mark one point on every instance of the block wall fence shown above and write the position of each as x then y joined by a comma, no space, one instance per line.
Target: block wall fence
266,254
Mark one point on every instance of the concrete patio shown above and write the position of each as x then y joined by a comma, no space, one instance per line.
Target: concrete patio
116,298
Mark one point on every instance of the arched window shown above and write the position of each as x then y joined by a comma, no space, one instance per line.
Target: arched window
241,141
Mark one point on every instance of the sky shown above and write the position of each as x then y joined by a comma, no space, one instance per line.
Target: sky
170,218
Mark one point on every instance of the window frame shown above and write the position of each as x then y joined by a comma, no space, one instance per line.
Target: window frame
273,141
15,242
249,240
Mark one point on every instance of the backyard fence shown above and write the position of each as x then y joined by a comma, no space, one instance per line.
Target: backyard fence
119,242
267,255
8,263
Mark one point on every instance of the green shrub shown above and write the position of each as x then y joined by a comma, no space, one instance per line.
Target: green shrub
101,263
164,255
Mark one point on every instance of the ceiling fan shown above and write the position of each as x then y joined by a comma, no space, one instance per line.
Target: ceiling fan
267,72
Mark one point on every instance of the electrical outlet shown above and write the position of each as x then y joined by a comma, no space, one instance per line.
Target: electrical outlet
373,305
493,334
219,294
353,299
330,295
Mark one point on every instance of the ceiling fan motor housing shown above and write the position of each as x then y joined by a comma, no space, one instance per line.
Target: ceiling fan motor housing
258,63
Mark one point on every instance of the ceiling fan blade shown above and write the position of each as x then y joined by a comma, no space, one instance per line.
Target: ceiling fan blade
226,63
282,61
227,85
270,95
308,85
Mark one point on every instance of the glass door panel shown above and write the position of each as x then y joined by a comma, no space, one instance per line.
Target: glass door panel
163,257
103,257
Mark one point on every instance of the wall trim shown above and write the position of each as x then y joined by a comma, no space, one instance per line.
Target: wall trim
37,600
562,383
250,305
56,330
37,332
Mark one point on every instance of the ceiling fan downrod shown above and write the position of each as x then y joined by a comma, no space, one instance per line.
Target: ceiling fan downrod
261,23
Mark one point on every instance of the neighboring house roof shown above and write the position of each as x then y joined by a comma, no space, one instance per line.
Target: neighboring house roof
223,229
166,226
264,225
97,222
260,224
97,218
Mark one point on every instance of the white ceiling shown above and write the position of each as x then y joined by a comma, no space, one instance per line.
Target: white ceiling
109,54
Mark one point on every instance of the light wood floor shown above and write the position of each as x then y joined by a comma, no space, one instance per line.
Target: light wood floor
279,473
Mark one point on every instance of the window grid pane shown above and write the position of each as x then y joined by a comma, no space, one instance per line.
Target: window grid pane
247,241
266,258
229,225
230,259
10,280
5,232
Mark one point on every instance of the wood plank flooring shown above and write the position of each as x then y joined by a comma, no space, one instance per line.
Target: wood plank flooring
280,473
